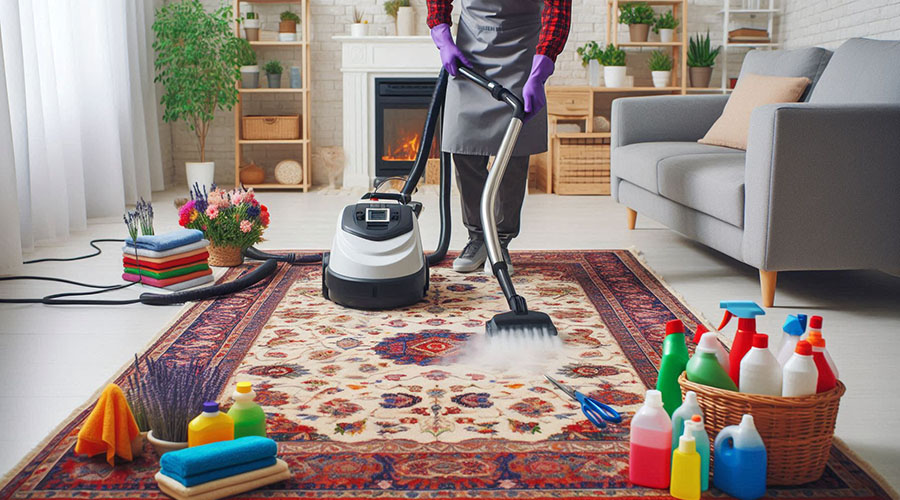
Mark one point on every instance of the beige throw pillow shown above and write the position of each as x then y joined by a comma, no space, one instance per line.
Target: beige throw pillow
732,128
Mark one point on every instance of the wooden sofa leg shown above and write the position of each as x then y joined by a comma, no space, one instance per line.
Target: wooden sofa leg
632,218
767,284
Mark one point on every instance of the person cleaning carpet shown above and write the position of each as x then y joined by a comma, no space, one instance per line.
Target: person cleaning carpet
498,38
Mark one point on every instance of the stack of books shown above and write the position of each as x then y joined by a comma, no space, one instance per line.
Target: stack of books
748,35
172,261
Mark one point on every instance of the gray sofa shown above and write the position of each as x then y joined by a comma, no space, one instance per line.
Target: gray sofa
818,187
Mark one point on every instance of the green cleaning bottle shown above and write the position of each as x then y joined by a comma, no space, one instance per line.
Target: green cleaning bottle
249,418
704,367
674,360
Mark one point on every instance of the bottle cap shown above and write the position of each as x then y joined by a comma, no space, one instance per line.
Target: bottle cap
815,338
708,343
761,340
697,418
690,398
244,387
653,399
815,323
803,348
674,326
686,443
747,421
210,407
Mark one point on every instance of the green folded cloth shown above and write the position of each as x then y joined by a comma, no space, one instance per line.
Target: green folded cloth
181,271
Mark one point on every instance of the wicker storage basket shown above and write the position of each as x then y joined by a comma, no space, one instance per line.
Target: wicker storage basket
581,165
284,127
224,256
797,431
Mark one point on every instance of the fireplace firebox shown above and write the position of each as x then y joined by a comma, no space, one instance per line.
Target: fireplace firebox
401,106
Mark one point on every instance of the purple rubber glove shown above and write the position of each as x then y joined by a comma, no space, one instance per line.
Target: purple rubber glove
533,93
451,56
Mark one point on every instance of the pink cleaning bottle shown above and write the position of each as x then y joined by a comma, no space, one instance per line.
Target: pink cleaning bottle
651,444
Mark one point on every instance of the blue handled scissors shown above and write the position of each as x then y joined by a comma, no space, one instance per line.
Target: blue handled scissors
595,411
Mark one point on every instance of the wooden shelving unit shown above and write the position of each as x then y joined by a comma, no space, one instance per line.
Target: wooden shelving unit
302,144
728,14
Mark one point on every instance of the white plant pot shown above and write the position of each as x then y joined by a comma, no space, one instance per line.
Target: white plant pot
661,78
406,21
287,37
359,29
666,35
594,72
201,173
614,76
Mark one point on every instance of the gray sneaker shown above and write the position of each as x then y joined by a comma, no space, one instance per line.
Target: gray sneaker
471,258
509,265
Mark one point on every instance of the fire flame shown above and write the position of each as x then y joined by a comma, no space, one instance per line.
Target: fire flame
404,149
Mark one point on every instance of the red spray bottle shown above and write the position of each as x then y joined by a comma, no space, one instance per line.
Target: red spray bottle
746,311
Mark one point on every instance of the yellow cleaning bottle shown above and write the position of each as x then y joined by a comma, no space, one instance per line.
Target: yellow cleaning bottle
685,482
210,426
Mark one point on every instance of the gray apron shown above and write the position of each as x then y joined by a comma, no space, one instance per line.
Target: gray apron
499,38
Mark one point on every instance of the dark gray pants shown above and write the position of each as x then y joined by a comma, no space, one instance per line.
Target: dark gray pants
471,174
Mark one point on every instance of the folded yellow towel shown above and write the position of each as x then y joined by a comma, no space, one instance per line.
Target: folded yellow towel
109,428
225,487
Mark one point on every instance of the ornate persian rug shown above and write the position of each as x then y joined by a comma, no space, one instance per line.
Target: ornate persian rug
383,404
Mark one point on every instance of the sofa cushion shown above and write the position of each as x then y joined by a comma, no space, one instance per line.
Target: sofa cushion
637,163
861,71
809,62
709,183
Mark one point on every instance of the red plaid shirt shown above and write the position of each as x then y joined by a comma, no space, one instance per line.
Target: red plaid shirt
555,21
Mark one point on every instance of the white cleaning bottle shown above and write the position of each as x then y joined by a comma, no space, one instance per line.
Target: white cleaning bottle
760,371
710,341
793,328
688,409
800,374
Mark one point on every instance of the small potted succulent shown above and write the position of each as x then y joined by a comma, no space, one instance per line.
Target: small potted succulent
360,26
665,27
403,15
251,27
590,54
701,58
249,69
639,17
231,220
287,28
167,395
273,73
613,60
660,63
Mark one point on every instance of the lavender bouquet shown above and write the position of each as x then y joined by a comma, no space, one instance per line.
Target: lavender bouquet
169,394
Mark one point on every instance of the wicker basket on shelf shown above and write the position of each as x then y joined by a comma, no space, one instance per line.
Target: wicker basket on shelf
225,256
286,127
797,431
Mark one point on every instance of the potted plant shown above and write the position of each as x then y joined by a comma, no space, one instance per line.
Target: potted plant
231,221
249,69
251,27
287,28
660,63
273,73
403,15
700,60
360,27
170,394
638,16
613,60
665,27
590,54
198,66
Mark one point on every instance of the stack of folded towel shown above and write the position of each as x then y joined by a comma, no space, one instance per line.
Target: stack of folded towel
174,261
220,469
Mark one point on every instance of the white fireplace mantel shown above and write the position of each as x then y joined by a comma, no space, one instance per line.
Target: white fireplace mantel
362,60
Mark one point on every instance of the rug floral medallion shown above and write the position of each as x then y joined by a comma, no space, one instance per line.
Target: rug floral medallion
405,404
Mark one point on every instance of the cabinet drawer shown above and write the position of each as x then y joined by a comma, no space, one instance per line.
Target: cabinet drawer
568,102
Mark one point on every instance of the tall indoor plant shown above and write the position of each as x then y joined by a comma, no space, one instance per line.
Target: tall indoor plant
700,60
198,65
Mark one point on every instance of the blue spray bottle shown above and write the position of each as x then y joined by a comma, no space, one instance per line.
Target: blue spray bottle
740,465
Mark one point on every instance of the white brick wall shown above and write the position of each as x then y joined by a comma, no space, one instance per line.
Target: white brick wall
805,22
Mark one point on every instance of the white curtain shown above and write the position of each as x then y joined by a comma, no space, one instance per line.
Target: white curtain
81,114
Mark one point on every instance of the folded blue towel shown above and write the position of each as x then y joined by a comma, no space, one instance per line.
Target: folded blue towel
166,241
199,459
220,473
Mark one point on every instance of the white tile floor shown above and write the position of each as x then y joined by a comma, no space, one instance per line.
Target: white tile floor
53,358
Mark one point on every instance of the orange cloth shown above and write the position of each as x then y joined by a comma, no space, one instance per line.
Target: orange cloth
109,428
